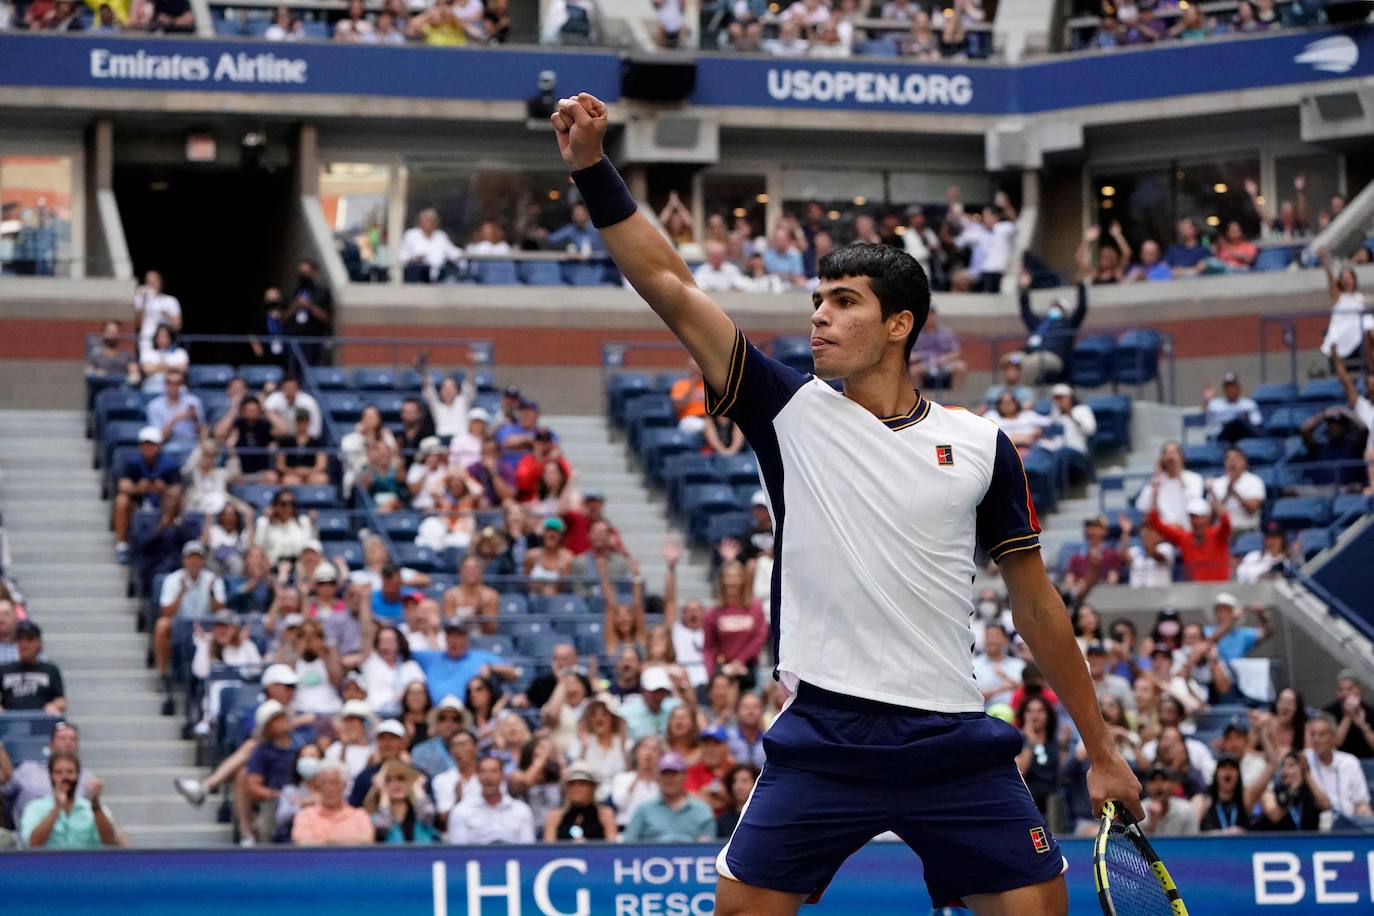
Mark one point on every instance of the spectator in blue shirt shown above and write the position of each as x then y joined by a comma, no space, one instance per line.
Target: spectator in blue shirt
1188,256
675,816
1011,381
1149,267
1232,639
579,235
142,482
271,765
177,412
64,821
1052,333
783,259
448,672
388,602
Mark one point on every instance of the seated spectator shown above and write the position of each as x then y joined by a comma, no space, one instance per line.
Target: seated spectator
153,308
388,669
1050,344
1204,547
517,438
1276,557
1334,439
689,399
289,400
570,22
1079,425
286,26
1111,258
578,236
1110,32
355,445
1010,366
551,562
493,816
783,258
554,493
1145,28
1338,773
745,28
450,407
1097,563
1106,683
471,602
1348,324
227,539
757,279
639,785
1296,800
207,481
936,359
450,671
1234,250
251,436
1230,417
64,820
469,451
1151,267
458,783
706,777
582,817
143,482
564,709
381,477
356,24
167,16
1353,716
280,531
402,811
1151,561
735,629
108,358
646,710
790,41
1240,492
1039,760
428,475
998,673
833,39
675,816
163,355
227,643
989,239
31,683
29,781
427,252
1166,813
301,457
269,769
1232,638
716,274
416,427
809,14
739,784
1188,256
1173,487
1022,425
332,821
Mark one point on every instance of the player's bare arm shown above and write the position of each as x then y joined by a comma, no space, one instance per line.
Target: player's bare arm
645,257
1042,621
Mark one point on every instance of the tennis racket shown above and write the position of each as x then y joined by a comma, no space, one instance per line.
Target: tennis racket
1131,879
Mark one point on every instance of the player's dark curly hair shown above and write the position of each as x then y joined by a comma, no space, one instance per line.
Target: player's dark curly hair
897,279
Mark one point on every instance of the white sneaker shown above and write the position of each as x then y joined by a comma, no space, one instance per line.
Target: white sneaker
247,841
202,729
193,790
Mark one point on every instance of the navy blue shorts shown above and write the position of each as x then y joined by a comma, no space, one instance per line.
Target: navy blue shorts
842,770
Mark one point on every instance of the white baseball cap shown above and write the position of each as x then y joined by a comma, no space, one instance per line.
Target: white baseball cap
280,674
392,727
479,413
654,678
356,709
266,712
1227,599
758,499
1199,506
150,434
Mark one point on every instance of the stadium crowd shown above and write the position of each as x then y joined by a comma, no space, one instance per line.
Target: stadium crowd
1110,24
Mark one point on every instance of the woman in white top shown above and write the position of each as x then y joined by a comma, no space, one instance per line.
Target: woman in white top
1152,560
563,711
634,787
280,532
207,485
227,643
602,746
488,239
1177,487
1078,420
1348,320
157,360
354,748
229,539
455,520
354,445
1023,427
387,670
450,404
427,474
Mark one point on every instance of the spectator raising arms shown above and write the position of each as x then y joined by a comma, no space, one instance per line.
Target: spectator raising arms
153,308
1204,547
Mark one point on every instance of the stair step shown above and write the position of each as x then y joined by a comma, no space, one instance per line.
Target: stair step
155,727
127,752
93,703
63,644
165,811
154,836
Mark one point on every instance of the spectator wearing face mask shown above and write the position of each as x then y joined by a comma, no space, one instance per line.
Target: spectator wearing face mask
1050,344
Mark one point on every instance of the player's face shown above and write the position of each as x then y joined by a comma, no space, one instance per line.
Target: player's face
848,331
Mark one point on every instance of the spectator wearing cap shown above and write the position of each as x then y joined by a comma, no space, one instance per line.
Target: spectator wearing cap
30,683
1275,557
516,437
1172,489
1239,491
1230,417
1233,639
29,780
547,566
494,476
1074,445
529,469
1151,562
177,413
301,455
449,672
458,782
465,448
1236,742
511,399
1050,344
1205,547
390,741
997,672
326,603
353,747
447,718
1010,367
270,767
388,669
331,821
191,593
143,481
289,400
1093,564
428,474
493,816
1339,774
401,809
281,531
706,778
579,538
226,644
646,712
581,817
1106,683
675,816
63,819
1353,716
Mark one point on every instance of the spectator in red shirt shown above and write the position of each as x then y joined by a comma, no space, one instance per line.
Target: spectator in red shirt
1095,563
1206,549
1234,250
735,628
706,777
530,468
689,399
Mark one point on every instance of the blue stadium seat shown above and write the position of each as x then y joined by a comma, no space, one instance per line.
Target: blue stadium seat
258,377
657,443
312,28
738,469
560,606
114,404
515,603
495,518
321,496
622,388
389,405
1136,360
1245,542
1203,455
1276,257
728,525
421,559
1286,421
329,378
584,273
539,644
499,644
1042,477
229,28
877,47
1066,552
118,434
588,636
400,525
793,351
351,551
1262,451
374,378
257,495
1271,394
24,723
1322,391
540,273
1300,512
1313,541
1113,413
334,523
1348,508
1091,363
410,380
450,558
342,406
209,375
684,468
215,402
495,273
652,410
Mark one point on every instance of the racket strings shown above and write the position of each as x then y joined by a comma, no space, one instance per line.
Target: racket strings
1131,882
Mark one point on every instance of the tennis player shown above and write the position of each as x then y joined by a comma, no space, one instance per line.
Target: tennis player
878,497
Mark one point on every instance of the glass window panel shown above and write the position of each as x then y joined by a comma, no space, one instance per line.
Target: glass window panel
1321,173
36,215
523,205
1148,202
354,197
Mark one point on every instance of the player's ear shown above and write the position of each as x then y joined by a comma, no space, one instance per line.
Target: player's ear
899,325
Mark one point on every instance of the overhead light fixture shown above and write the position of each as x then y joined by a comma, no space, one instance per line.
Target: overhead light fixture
1108,204
555,194
860,200
739,212
1108,191
832,214
1214,220
1220,187
761,198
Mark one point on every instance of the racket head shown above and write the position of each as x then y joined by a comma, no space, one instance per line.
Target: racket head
1131,878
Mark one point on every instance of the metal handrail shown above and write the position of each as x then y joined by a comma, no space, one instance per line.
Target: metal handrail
1287,323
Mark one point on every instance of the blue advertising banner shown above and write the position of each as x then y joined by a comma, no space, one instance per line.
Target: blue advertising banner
1233,875
189,64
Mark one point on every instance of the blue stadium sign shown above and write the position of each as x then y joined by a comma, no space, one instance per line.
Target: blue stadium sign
1258,873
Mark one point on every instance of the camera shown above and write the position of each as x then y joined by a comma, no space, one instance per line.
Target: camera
541,105
548,80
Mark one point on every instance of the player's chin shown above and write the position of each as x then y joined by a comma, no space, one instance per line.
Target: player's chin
827,363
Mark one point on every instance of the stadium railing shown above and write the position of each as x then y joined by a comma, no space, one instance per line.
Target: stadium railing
1287,327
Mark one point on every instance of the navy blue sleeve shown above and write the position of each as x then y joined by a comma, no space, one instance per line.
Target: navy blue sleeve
1006,516
756,388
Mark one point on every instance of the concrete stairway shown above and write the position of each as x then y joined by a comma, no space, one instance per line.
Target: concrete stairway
63,562
601,463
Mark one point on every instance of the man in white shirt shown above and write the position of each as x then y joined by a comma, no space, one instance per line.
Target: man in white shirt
190,593
459,783
1338,773
717,274
1152,560
286,400
153,307
1241,491
919,240
1177,488
428,255
1230,417
997,673
492,816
